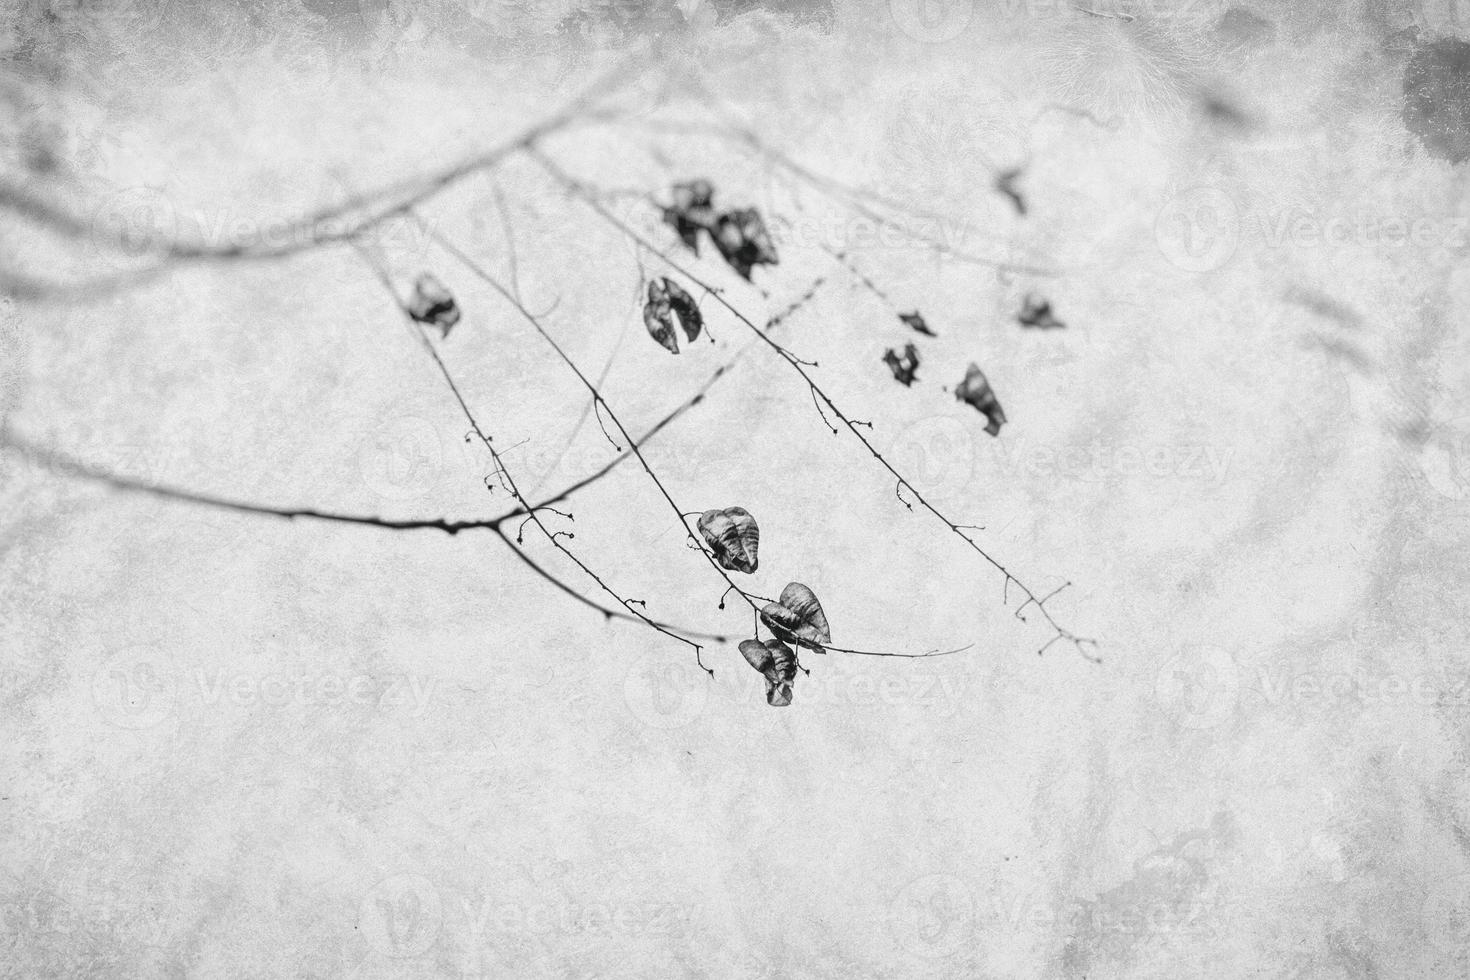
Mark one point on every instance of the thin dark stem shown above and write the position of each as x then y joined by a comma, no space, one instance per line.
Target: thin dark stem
575,188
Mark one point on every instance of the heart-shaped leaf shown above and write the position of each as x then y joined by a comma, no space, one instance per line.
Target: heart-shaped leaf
777,662
975,391
798,618
733,536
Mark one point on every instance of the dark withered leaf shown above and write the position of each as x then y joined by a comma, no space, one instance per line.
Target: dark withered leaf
692,210
798,618
903,367
916,322
431,303
777,662
976,391
1036,313
742,239
733,536
658,316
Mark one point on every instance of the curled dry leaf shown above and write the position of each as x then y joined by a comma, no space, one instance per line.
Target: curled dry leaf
433,304
915,321
667,299
777,662
691,211
976,391
742,239
798,618
733,536
903,368
1036,313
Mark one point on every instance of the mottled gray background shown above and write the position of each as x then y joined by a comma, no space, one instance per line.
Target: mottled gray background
242,747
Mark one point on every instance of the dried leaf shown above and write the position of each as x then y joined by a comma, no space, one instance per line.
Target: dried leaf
903,368
1036,313
742,239
433,304
976,391
916,321
777,662
691,211
685,308
733,536
798,618
658,316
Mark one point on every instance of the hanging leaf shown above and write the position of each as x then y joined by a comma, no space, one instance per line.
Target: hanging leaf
691,211
1036,313
975,391
777,662
742,239
733,536
798,618
432,303
916,321
685,308
658,316
903,368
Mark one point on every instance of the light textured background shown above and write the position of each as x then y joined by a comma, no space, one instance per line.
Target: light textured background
238,747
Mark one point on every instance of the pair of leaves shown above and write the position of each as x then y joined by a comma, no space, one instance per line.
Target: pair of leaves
667,299
975,390
903,367
432,303
1036,313
740,235
733,537
777,662
798,618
